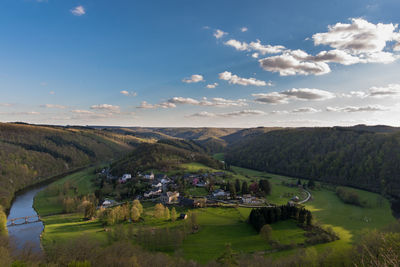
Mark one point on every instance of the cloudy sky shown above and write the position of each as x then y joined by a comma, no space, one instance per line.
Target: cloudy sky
224,63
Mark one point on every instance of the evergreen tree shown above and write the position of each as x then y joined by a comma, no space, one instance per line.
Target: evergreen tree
311,184
232,191
309,218
265,186
299,182
245,188
237,185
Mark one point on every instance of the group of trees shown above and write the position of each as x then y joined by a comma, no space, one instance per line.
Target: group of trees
3,222
268,215
349,196
262,188
30,154
362,159
123,213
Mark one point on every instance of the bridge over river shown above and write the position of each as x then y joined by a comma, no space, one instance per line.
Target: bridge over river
23,220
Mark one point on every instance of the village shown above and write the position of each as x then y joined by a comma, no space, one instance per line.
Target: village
210,189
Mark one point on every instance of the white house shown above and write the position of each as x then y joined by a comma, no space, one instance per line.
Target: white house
126,177
220,193
169,197
153,192
149,176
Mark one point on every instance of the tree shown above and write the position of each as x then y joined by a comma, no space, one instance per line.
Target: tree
299,182
254,188
135,214
232,190
173,214
167,215
265,186
266,232
228,257
136,203
309,218
245,188
237,185
159,211
311,184
3,222
90,210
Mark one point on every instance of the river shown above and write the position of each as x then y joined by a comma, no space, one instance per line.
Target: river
25,234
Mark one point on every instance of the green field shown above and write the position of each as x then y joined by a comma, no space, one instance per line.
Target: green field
219,226
47,202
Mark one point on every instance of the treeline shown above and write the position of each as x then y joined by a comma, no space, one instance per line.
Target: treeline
30,154
349,196
267,215
161,157
340,156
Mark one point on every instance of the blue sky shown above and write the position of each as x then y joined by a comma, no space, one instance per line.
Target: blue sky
200,63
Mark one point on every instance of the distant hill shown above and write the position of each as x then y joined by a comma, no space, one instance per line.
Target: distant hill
160,156
30,154
363,157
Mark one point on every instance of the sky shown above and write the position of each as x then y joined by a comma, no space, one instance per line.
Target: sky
213,63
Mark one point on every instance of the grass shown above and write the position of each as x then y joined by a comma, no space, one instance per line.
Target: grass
47,202
219,226
60,228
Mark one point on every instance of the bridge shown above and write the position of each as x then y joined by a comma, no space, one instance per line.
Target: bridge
23,220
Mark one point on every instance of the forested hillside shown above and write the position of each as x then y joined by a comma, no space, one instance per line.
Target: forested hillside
30,154
160,156
343,156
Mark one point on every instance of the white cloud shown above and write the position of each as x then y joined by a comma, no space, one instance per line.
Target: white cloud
145,105
195,78
247,112
390,90
234,79
358,37
244,29
219,34
80,111
53,106
293,63
255,46
265,49
305,110
127,93
78,11
369,108
21,113
6,104
255,55
106,107
52,92
203,114
212,85
213,102
293,94
237,45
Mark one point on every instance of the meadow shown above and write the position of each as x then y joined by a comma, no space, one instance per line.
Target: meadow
220,226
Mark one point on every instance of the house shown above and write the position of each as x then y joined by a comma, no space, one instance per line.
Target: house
201,184
156,184
220,193
153,192
192,203
183,216
165,181
107,202
149,176
247,199
125,178
295,199
169,197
